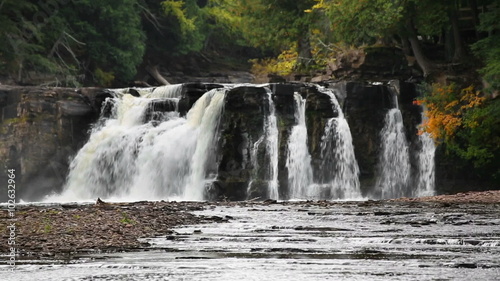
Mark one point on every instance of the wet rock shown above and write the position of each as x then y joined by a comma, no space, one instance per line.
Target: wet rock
242,124
191,92
284,102
157,108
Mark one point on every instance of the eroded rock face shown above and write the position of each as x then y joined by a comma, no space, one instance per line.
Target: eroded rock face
284,103
241,126
365,107
319,108
40,130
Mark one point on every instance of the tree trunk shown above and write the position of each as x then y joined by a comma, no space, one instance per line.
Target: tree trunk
424,63
459,53
155,73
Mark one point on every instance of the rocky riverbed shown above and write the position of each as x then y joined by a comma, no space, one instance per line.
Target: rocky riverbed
62,230
65,230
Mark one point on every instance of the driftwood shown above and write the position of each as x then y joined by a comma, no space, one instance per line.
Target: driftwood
155,73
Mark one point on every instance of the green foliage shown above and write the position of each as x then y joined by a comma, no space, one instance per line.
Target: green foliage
284,64
274,24
488,49
222,24
47,225
354,21
106,39
126,219
21,38
112,33
184,25
467,124
67,38
479,139
176,9
103,78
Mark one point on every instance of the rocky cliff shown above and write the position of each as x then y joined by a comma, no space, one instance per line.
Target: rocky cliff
41,129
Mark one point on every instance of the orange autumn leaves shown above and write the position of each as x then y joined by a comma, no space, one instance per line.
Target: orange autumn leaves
445,110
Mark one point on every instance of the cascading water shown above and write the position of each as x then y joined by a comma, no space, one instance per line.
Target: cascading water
425,157
394,164
270,139
126,159
298,162
272,135
337,152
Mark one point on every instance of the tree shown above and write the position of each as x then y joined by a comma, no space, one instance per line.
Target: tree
277,25
111,36
366,22
21,46
488,48
103,39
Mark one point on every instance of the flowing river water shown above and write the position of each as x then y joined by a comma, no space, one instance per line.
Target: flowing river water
305,241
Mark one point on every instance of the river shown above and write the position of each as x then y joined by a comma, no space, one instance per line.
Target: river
308,241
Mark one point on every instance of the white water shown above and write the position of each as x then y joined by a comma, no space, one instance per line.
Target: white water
300,173
270,139
426,177
337,152
272,145
394,176
127,160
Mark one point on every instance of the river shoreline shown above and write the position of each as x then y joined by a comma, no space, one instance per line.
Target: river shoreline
64,231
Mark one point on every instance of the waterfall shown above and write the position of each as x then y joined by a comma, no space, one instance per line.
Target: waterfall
126,159
425,157
298,162
272,146
141,148
270,140
337,153
394,163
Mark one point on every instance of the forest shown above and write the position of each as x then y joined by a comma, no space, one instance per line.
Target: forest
454,45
